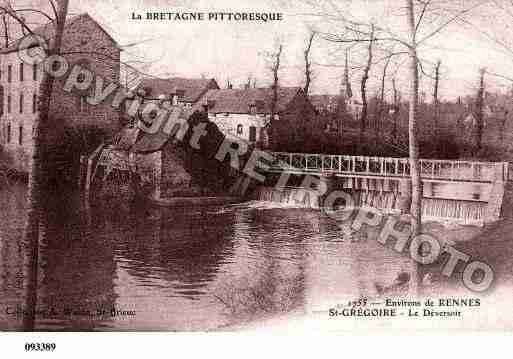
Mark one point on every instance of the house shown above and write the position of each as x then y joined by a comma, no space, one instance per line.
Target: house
165,165
330,104
325,104
85,43
354,108
180,91
245,113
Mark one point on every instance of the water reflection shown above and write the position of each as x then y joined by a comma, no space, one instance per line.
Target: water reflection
12,219
184,268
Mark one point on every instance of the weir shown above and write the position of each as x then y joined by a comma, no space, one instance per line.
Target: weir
463,191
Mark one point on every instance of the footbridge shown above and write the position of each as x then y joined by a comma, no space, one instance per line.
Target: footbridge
452,188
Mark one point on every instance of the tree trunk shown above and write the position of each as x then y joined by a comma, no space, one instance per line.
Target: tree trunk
436,104
396,111
503,125
274,102
480,112
308,64
363,119
39,173
381,104
416,201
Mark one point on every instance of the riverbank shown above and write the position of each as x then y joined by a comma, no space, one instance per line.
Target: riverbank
488,243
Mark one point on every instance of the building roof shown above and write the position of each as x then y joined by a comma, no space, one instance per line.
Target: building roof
152,142
240,100
47,31
192,89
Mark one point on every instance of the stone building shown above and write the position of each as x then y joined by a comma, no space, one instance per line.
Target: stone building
85,43
164,164
245,113
180,91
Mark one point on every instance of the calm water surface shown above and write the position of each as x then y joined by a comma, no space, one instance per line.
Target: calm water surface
186,269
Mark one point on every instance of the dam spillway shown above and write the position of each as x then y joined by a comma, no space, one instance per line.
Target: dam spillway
463,191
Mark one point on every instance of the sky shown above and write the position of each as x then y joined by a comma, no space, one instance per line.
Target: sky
233,51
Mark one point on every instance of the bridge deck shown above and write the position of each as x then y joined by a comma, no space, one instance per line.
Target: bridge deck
385,167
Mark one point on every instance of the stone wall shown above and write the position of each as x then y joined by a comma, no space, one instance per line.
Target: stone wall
84,43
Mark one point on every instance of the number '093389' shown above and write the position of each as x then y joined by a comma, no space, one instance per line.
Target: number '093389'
40,347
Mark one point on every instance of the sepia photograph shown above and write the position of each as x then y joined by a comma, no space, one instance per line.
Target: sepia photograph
241,166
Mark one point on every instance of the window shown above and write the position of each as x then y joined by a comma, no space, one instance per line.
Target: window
240,129
21,103
252,133
34,72
9,133
9,73
8,103
22,68
20,138
34,103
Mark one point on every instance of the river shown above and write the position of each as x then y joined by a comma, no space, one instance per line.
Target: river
112,266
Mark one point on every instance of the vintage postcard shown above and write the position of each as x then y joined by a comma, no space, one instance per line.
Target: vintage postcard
237,165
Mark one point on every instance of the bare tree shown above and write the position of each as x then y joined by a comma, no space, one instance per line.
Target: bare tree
275,68
363,85
273,59
381,102
39,170
416,184
308,62
247,85
504,119
395,114
433,17
436,101
479,111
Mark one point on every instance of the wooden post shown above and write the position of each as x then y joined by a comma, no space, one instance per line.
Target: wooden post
88,177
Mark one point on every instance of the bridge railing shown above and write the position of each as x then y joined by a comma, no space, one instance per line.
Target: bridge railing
382,166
